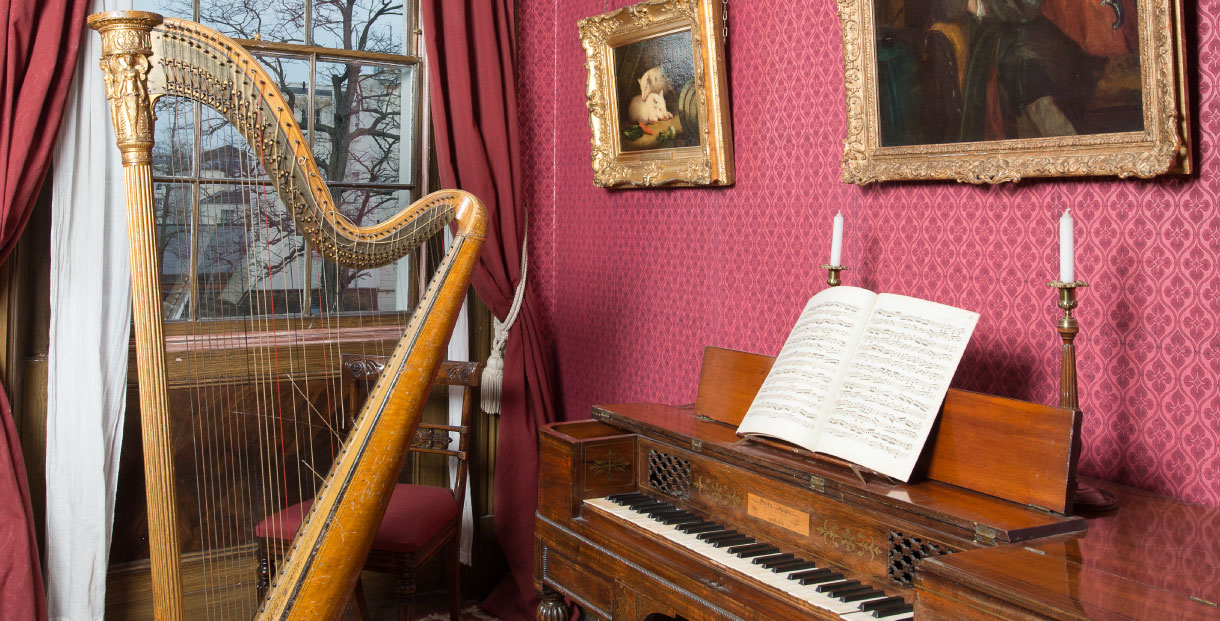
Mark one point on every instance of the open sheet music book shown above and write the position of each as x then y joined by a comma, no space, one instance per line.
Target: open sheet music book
862,377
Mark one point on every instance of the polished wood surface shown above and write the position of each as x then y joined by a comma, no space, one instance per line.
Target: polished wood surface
994,557
1021,451
728,381
1154,558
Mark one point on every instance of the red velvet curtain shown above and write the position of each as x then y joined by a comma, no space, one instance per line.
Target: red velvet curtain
39,45
472,51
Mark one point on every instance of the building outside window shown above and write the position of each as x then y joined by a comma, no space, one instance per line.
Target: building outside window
229,248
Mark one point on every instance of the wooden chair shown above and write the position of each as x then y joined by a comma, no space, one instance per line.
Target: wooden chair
421,520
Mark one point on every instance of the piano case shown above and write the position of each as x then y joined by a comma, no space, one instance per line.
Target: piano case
996,471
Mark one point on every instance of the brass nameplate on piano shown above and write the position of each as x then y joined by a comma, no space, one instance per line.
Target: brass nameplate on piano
777,514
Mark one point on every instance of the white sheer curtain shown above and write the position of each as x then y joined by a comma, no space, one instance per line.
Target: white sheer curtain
459,350
87,362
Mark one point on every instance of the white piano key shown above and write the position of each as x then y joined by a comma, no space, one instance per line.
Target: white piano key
868,616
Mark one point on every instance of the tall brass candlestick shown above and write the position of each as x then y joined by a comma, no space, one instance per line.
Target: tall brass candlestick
1087,499
1068,327
832,278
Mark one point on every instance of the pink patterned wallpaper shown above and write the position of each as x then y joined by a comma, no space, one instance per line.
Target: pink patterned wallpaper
636,283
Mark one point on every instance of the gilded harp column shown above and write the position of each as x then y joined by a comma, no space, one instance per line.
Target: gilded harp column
126,47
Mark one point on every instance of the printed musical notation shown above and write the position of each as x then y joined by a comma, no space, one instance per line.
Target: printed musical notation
900,367
862,376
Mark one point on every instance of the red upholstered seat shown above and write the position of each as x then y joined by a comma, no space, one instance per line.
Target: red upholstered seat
421,522
414,515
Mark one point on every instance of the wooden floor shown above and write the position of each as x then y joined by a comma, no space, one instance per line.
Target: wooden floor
128,598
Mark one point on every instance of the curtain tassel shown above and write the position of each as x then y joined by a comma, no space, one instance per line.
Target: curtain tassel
491,387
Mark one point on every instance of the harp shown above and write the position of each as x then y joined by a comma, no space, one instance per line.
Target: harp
146,57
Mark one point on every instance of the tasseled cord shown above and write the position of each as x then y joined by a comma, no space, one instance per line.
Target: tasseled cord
492,385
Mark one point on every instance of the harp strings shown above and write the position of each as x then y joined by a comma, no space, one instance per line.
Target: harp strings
242,269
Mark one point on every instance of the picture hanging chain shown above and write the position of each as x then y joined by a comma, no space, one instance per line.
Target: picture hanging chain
724,17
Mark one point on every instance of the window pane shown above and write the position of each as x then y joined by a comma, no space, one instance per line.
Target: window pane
361,111
173,209
274,20
169,8
251,259
368,25
291,76
224,152
173,146
341,289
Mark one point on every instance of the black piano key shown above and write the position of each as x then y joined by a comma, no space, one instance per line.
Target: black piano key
822,571
623,498
749,547
855,595
816,576
893,610
847,590
665,508
757,552
658,505
796,565
661,514
683,520
706,527
779,558
880,603
645,507
643,498
732,541
723,534
821,579
910,618
830,587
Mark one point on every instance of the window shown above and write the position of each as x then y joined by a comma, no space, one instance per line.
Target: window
228,247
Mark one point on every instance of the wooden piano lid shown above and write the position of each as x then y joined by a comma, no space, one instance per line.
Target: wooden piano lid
1154,558
968,511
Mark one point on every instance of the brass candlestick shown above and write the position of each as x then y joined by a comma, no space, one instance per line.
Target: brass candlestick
833,278
1068,327
1086,499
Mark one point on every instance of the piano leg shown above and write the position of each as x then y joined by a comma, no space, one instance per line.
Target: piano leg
552,607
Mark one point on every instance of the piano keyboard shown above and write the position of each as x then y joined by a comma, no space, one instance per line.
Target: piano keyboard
823,587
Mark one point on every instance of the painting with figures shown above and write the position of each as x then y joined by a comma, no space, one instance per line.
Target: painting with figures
655,85
951,71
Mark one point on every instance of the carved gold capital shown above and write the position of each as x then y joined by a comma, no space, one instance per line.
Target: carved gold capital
126,46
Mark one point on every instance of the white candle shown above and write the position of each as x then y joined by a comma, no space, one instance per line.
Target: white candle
836,241
1066,271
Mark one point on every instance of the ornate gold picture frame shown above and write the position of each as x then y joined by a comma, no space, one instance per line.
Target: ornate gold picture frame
658,95
986,91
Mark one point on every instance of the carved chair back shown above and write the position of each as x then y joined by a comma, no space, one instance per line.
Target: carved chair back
360,372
